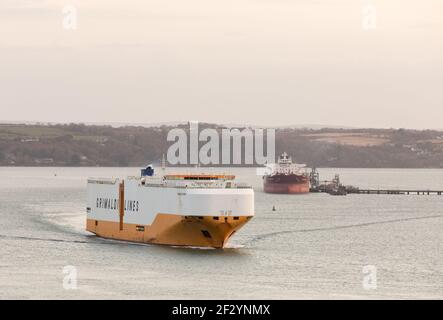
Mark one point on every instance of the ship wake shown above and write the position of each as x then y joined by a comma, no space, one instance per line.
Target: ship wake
13,237
358,225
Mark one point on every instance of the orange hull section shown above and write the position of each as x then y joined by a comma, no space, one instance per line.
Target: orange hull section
174,230
286,188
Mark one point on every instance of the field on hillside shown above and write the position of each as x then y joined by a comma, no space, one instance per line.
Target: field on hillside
352,139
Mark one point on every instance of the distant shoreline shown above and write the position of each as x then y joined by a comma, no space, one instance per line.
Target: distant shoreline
215,168
80,145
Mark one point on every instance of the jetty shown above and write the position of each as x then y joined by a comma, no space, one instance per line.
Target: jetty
395,191
335,187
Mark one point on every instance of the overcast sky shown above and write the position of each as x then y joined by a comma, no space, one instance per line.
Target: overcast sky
265,62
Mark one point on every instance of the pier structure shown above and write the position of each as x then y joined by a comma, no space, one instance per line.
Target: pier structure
335,187
396,191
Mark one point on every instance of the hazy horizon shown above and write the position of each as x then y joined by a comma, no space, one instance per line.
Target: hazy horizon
258,62
312,126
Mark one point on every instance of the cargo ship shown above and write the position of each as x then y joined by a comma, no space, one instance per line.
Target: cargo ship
198,210
286,177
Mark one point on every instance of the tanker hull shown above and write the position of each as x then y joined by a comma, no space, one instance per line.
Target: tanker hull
286,187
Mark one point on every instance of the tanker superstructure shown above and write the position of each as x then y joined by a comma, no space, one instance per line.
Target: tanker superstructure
286,177
202,210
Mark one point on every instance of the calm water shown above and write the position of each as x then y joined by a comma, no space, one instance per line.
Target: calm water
313,246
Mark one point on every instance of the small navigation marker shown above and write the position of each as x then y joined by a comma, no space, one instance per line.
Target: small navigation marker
273,208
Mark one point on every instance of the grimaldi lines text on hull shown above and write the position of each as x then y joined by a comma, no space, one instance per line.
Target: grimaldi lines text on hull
202,210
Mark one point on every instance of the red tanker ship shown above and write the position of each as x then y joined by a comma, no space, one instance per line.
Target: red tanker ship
285,177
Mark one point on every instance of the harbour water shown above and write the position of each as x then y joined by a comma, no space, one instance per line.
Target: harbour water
312,246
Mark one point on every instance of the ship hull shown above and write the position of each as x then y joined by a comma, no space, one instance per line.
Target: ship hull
286,188
174,230
286,184
198,217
